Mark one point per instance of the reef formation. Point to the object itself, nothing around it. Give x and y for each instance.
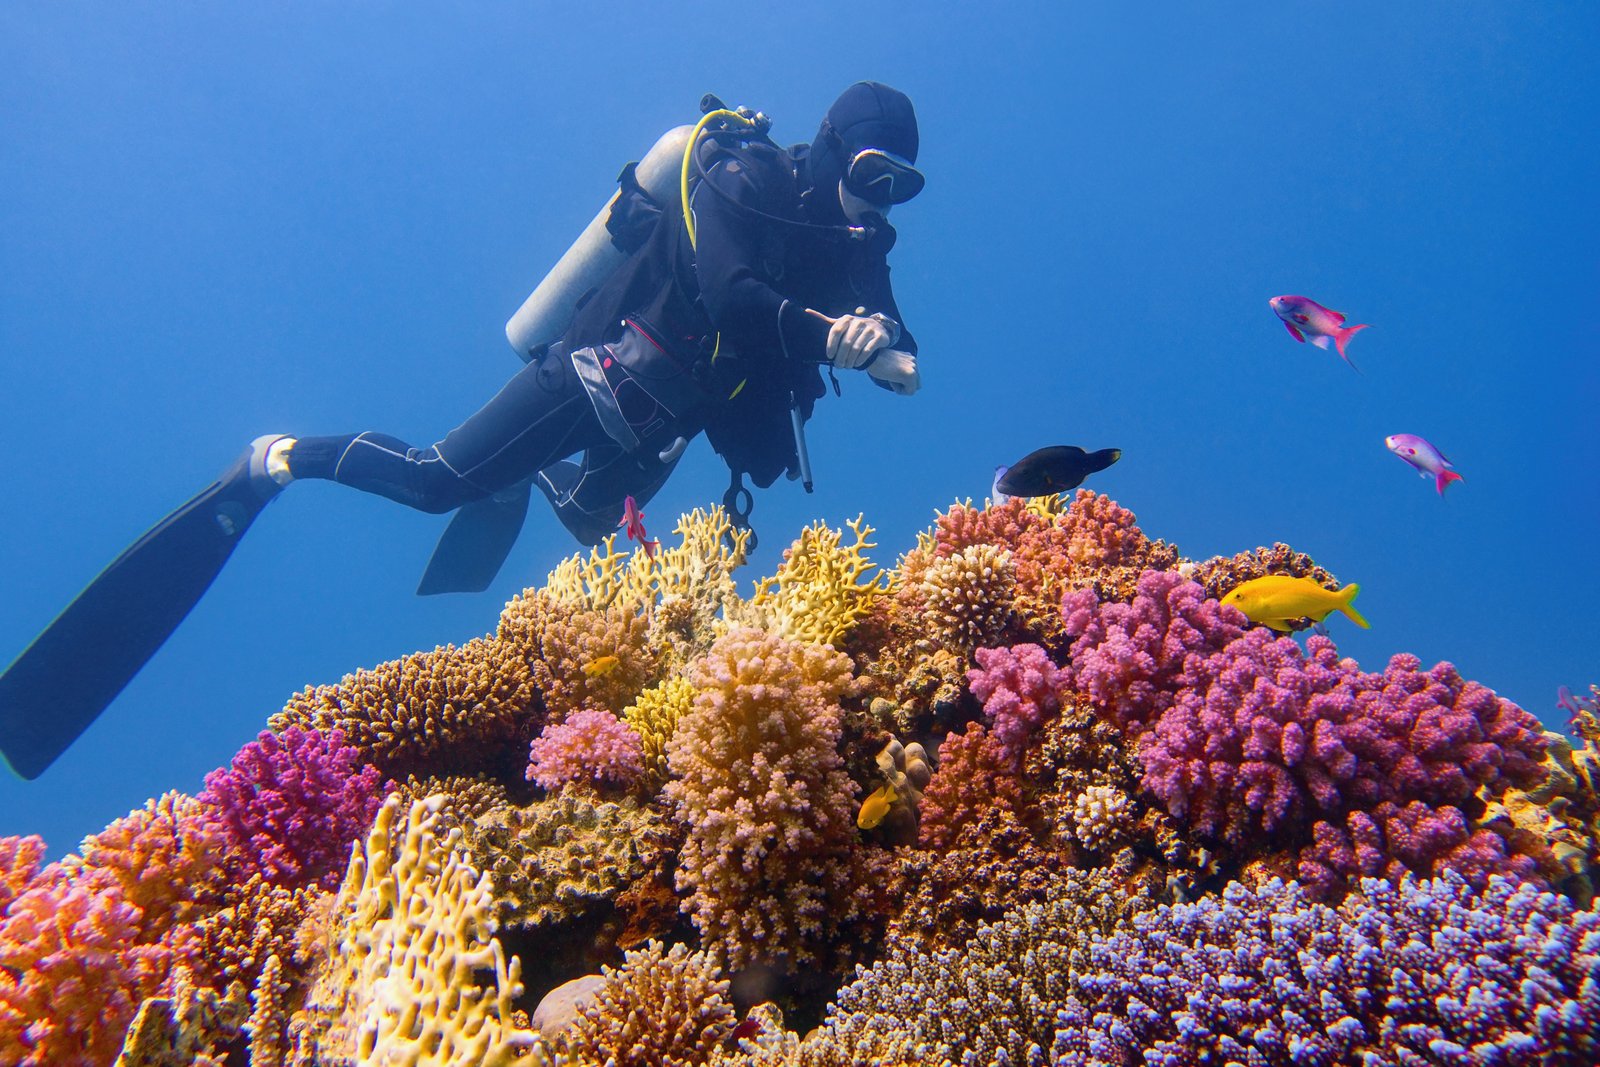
(1032, 795)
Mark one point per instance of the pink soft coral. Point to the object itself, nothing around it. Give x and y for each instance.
(590, 746)
(292, 803)
(1020, 687)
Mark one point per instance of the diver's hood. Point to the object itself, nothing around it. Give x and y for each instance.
(866, 115)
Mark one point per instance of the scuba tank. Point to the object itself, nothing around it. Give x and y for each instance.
(594, 256)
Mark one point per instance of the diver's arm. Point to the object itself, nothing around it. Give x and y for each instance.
(756, 319)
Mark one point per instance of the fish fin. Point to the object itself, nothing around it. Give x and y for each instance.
(1346, 595)
(1445, 478)
(1342, 336)
(1298, 336)
(1321, 341)
(1280, 625)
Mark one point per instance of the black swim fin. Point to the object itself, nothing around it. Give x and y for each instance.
(476, 543)
(74, 669)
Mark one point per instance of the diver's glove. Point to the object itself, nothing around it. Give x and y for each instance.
(854, 339)
(896, 369)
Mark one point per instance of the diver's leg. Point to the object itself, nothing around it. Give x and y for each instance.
(541, 415)
(588, 496)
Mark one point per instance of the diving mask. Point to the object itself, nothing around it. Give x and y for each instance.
(881, 177)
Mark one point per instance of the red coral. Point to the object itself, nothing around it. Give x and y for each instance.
(974, 775)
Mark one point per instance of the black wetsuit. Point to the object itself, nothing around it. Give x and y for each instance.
(750, 280)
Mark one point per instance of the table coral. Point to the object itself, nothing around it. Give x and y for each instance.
(449, 710)
(592, 747)
(292, 805)
(1421, 973)
(759, 787)
(412, 927)
(661, 1008)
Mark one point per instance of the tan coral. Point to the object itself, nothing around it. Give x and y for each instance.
(968, 597)
(257, 921)
(269, 1018)
(190, 1026)
(1219, 574)
(412, 926)
(457, 709)
(661, 1008)
(580, 657)
(1555, 823)
(822, 588)
(1101, 816)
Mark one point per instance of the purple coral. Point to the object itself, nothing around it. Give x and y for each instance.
(590, 746)
(292, 803)
(1019, 687)
(1419, 973)
(1129, 658)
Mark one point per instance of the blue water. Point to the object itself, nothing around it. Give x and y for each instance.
(220, 222)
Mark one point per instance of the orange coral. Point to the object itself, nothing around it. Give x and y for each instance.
(760, 788)
(973, 776)
(560, 640)
(19, 862)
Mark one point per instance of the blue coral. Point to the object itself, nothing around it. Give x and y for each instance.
(1420, 973)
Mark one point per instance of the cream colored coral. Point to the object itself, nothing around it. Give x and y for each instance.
(822, 588)
(1100, 815)
(697, 568)
(412, 925)
(968, 596)
(655, 714)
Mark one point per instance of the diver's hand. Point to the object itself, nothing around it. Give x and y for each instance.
(852, 339)
(897, 370)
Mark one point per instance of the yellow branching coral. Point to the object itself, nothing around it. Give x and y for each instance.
(659, 1009)
(269, 1018)
(412, 925)
(821, 589)
(697, 568)
(655, 714)
(579, 657)
(760, 788)
(968, 597)
(455, 707)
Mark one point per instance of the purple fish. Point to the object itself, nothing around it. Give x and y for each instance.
(1308, 320)
(1423, 456)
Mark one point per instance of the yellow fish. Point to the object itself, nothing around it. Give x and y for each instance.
(602, 666)
(876, 806)
(1277, 598)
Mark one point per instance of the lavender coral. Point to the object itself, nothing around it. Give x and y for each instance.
(293, 804)
(592, 746)
(1420, 973)
(760, 788)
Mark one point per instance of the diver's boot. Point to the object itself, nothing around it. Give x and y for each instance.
(263, 467)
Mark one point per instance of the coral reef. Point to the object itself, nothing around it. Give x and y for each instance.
(293, 804)
(728, 806)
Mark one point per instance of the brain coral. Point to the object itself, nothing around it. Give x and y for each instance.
(759, 787)
(1420, 973)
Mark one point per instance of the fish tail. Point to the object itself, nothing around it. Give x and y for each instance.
(1342, 335)
(1346, 595)
(1445, 478)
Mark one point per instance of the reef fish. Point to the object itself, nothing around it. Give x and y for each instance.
(1308, 320)
(601, 667)
(1428, 460)
(1054, 469)
(876, 806)
(633, 525)
(1278, 598)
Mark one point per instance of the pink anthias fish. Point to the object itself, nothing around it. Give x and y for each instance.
(1423, 456)
(1308, 320)
(633, 524)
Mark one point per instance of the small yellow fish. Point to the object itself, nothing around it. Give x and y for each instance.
(1278, 598)
(602, 666)
(876, 806)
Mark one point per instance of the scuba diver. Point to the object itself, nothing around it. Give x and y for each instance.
(709, 295)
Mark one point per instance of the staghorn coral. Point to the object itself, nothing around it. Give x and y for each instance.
(654, 715)
(759, 786)
(822, 588)
(991, 1001)
(580, 658)
(661, 1008)
(1020, 687)
(452, 709)
(269, 1017)
(412, 925)
(292, 805)
(591, 747)
(1420, 973)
